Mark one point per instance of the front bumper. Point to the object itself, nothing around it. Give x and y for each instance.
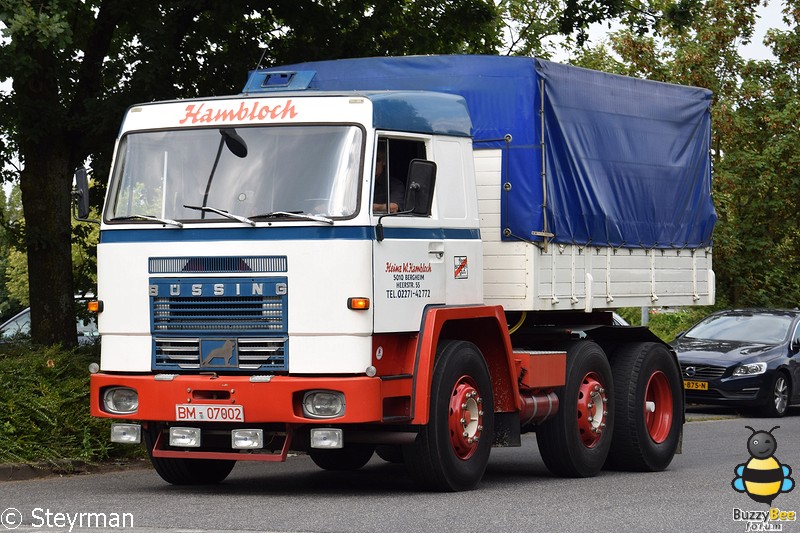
(274, 399)
(743, 392)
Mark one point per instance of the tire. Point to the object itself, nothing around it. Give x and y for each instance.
(186, 471)
(450, 453)
(576, 441)
(391, 453)
(778, 402)
(351, 457)
(649, 402)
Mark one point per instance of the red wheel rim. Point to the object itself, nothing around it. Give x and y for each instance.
(592, 409)
(658, 407)
(465, 417)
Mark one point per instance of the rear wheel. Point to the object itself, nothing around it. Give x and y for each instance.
(351, 457)
(778, 401)
(450, 453)
(649, 400)
(186, 471)
(575, 442)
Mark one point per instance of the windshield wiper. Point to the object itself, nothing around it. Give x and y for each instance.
(168, 221)
(294, 214)
(221, 212)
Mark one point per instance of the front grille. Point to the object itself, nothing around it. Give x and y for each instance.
(215, 324)
(264, 313)
(258, 353)
(251, 354)
(183, 352)
(702, 372)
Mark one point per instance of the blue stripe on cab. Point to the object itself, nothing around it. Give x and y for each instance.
(307, 233)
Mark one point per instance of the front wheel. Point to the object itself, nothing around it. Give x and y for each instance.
(575, 442)
(351, 457)
(778, 401)
(450, 453)
(186, 471)
(649, 400)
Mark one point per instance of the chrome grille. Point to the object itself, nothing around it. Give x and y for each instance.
(256, 353)
(252, 353)
(702, 372)
(182, 352)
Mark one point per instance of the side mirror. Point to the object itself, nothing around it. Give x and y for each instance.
(80, 195)
(419, 187)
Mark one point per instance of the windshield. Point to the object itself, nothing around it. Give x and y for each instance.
(247, 171)
(762, 329)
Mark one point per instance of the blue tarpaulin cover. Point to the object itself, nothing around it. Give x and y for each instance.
(627, 161)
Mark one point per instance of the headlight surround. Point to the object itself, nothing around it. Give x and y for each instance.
(121, 400)
(750, 369)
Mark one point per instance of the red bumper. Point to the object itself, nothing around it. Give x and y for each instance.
(278, 400)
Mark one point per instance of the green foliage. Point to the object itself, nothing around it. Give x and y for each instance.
(666, 323)
(45, 416)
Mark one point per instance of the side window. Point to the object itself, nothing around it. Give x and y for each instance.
(391, 171)
(796, 337)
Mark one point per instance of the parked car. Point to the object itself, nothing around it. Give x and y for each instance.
(19, 327)
(746, 358)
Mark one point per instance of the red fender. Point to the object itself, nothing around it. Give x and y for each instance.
(484, 326)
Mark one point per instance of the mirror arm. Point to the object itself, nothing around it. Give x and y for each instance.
(379, 227)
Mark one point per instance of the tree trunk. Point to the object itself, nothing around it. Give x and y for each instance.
(45, 186)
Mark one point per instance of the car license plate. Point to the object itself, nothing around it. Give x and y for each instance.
(209, 413)
(695, 385)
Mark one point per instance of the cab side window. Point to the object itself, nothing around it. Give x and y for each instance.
(391, 172)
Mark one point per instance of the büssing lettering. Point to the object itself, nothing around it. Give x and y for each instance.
(217, 289)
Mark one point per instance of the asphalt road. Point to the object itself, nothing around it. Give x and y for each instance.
(517, 494)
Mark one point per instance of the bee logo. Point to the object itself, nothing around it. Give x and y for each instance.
(762, 477)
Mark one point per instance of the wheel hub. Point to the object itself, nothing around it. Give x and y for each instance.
(658, 407)
(781, 395)
(465, 417)
(592, 409)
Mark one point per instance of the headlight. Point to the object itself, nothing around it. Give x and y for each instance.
(750, 369)
(323, 404)
(121, 400)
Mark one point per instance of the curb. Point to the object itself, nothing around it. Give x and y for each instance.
(23, 472)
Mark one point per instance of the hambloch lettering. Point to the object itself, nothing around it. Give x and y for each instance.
(45, 518)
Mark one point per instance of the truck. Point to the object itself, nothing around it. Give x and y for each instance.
(417, 257)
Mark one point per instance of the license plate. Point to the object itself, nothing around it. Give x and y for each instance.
(695, 385)
(209, 413)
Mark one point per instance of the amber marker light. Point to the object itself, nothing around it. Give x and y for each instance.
(94, 306)
(358, 304)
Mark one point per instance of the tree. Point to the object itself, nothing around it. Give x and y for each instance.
(76, 65)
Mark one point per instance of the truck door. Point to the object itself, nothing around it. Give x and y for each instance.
(409, 261)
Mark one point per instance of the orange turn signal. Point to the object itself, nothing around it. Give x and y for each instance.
(94, 306)
(358, 304)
